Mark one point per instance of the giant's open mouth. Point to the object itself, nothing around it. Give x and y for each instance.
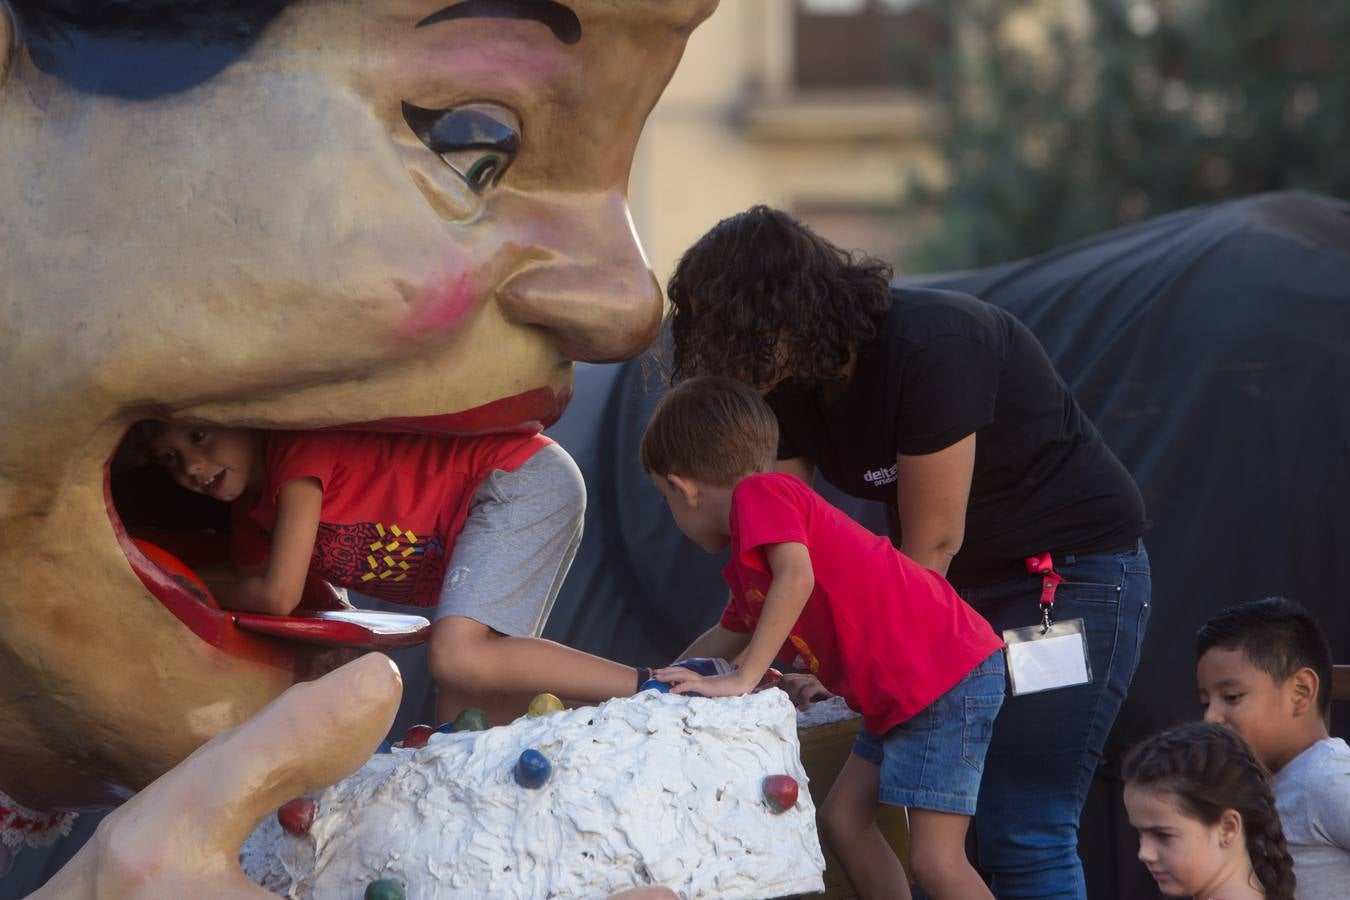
(169, 535)
(166, 533)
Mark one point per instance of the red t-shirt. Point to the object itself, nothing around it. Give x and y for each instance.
(392, 504)
(879, 630)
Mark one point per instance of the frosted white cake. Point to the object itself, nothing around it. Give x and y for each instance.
(654, 789)
(825, 712)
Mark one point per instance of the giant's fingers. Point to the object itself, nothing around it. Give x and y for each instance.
(311, 736)
(181, 835)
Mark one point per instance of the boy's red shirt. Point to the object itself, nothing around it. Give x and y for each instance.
(879, 630)
(393, 504)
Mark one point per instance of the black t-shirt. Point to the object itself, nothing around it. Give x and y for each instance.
(945, 365)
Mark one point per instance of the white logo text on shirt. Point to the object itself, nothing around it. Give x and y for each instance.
(878, 477)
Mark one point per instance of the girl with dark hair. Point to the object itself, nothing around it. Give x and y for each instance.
(947, 410)
(1206, 819)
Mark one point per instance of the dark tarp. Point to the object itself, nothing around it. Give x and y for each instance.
(1211, 348)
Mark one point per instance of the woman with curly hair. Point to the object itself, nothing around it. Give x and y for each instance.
(1206, 818)
(947, 410)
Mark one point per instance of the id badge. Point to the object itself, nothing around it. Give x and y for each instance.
(1041, 660)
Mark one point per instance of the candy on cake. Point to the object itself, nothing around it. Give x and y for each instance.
(688, 793)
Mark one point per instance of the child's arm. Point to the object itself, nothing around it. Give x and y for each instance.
(278, 589)
(793, 581)
(468, 656)
(717, 642)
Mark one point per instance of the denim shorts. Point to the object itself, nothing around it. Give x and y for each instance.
(934, 760)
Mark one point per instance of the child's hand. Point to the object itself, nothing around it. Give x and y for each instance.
(685, 681)
(802, 690)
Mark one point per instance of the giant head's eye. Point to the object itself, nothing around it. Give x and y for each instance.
(478, 141)
(480, 169)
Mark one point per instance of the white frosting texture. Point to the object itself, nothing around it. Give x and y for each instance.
(825, 712)
(654, 789)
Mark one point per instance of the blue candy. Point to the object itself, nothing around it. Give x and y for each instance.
(385, 747)
(532, 769)
(652, 684)
(447, 728)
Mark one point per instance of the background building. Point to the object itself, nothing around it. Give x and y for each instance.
(952, 134)
(822, 107)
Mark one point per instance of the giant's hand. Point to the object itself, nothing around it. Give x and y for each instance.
(180, 836)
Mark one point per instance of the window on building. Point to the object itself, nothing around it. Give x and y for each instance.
(868, 43)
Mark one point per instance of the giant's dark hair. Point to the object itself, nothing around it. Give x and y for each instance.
(761, 297)
(1278, 636)
(1210, 769)
(205, 20)
(140, 49)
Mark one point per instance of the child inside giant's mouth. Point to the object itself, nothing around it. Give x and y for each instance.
(170, 536)
(174, 539)
(477, 529)
(152, 508)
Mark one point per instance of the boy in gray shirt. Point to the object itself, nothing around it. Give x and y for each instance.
(1312, 796)
(1264, 670)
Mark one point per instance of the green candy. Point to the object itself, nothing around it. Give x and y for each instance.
(471, 720)
(385, 889)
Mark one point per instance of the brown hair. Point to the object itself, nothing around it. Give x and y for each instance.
(134, 450)
(711, 428)
(1211, 769)
(761, 297)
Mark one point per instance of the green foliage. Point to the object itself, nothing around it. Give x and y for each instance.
(1154, 106)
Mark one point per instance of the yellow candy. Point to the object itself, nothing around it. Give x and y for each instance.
(543, 704)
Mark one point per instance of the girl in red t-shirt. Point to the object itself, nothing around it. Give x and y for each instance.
(414, 519)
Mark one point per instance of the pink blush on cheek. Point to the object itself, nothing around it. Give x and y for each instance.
(484, 67)
(439, 307)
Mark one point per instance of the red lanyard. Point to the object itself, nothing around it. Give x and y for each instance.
(1044, 566)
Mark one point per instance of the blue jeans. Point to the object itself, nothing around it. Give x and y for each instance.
(1046, 746)
(934, 759)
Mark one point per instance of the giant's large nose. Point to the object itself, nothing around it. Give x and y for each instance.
(587, 279)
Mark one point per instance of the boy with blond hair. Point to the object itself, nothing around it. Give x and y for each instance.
(889, 636)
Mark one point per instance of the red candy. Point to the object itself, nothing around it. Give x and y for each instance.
(297, 815)
(417, 736)
(780, 792)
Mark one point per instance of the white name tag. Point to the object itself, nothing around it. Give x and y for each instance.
(1045, 661)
